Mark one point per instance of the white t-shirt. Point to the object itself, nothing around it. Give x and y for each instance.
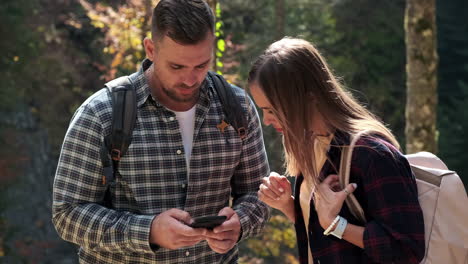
(187, 124)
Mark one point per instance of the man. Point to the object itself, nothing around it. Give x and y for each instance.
(181, 163)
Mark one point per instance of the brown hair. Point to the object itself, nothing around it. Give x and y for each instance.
(184, 21)
(296, 81)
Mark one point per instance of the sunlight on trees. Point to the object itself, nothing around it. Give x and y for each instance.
(124, 29)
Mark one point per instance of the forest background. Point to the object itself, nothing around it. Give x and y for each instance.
(55, 53)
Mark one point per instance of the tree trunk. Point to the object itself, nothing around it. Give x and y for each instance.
(148, 5)
(279, 22)
(212, 4)
(421, 70)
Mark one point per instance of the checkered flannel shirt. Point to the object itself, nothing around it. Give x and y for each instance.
(152, 178)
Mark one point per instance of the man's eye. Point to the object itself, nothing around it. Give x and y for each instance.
(176, 67)
(201, 66)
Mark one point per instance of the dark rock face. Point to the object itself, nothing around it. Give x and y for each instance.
(26, 176)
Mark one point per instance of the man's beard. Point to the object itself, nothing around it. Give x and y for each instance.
(174, 96)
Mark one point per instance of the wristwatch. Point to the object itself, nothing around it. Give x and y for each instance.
(340, 228)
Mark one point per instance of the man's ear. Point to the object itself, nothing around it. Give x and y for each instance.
(150, 48)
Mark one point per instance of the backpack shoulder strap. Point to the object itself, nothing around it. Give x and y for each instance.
(232, 107)
(124, 108)
(345, 166)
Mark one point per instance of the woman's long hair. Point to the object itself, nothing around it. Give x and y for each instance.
(297, 81)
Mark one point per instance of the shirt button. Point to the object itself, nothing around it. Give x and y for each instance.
(183, 185)
(171, 118)
(179, 151)
(187, 253)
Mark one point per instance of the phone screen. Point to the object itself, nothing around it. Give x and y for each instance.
(208, 221)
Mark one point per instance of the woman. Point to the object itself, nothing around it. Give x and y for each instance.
(300, 97)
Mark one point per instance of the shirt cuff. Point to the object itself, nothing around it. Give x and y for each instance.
(244, 221)
(139, 233)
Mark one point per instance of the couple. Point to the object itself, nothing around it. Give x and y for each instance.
(181, 165)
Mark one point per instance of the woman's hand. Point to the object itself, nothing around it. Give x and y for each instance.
(276, 192)
(328, 199)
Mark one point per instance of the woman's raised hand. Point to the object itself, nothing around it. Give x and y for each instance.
(275, 191)
(328, 199)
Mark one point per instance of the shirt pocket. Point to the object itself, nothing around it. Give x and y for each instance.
(231, 150)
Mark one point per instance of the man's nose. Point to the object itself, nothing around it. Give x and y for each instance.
(190, 79)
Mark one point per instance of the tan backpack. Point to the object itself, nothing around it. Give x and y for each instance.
(443, 200)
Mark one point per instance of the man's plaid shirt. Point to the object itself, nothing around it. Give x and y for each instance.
(153, 178)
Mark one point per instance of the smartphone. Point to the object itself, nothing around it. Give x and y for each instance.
(209, 222)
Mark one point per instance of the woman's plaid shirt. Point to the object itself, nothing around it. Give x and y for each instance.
(153, 178)
(387, 192)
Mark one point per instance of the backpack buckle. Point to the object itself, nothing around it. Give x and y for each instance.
(242, 132)
(115, 154)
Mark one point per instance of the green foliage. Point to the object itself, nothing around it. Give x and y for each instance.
(452, 26)
(277, 243)
(372, 43)
(453, 143)
(220, 43)
(125, 26)
(280, 233)
(248, 30)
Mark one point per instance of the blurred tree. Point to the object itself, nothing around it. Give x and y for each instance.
(214, 5)
(279, 18)
(421, 70)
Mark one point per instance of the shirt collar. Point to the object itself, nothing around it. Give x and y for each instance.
(143, 91)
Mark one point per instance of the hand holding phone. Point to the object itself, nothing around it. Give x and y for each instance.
(209, 222)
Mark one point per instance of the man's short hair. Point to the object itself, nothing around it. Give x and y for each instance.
(184, 21)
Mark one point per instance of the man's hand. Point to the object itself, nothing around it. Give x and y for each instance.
(170, 230)
(224, 237)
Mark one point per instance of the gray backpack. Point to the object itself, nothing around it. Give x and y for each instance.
(443, 200)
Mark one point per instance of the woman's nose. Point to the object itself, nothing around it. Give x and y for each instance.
(266, 120)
